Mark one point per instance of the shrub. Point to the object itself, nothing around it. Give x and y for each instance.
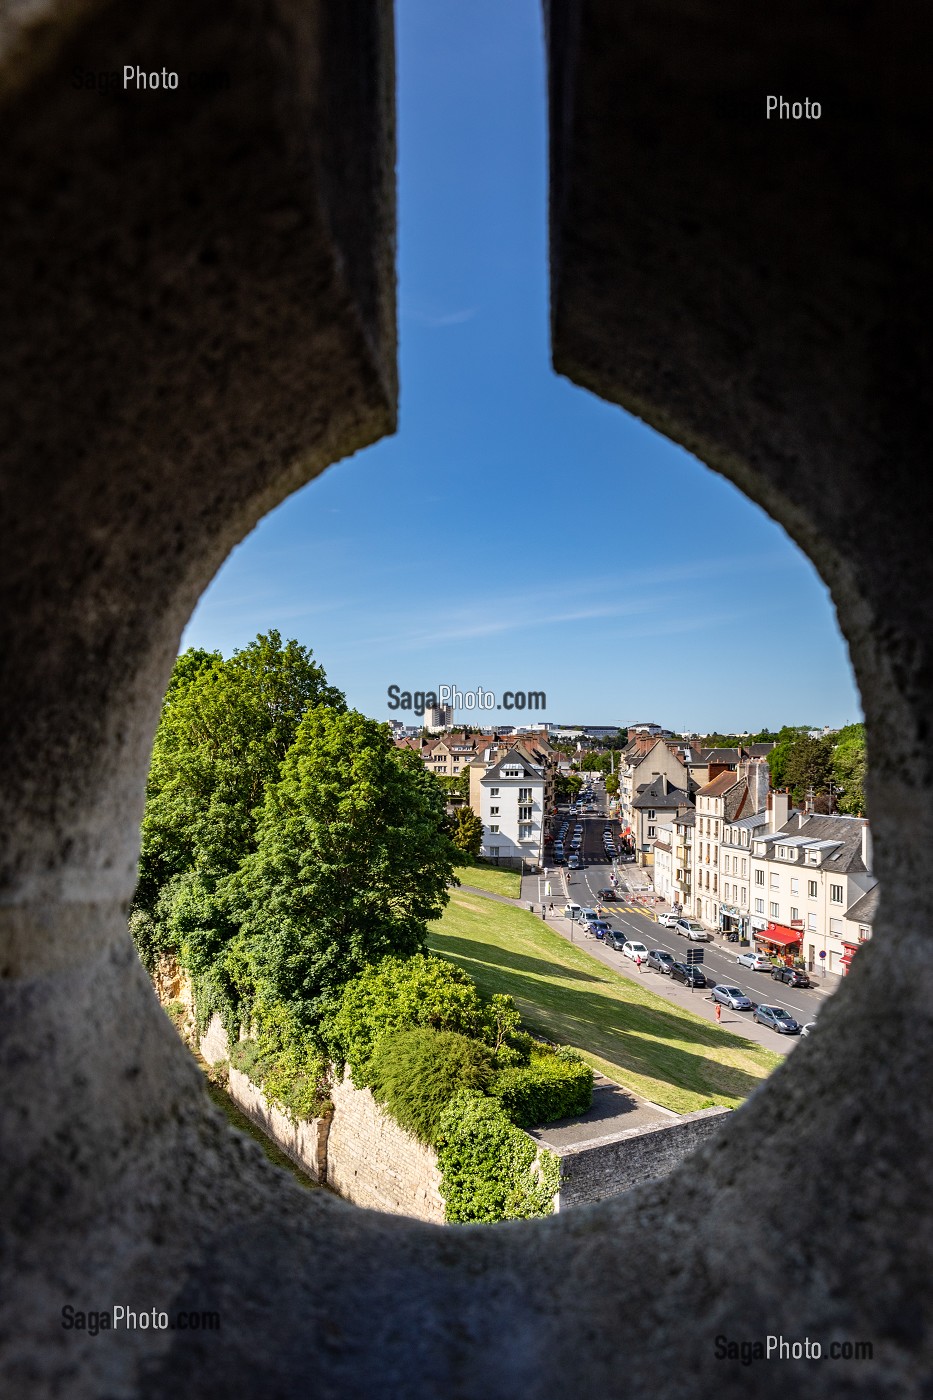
(552, 1086)
(490, 1170)
(285, 1064)
(399, 994)
(415, 1073)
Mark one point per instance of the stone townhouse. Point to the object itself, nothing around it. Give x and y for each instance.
(512, 793)
(639, 766)
(810, 885)
(728, 797)
(663, 859)
(681, 893)
(658, 801)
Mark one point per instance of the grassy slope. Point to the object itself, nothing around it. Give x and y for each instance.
(635, 1037)
(488, 877)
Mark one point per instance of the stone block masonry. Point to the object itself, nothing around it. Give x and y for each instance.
(603, 1167)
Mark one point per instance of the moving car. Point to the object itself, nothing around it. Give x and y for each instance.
(756, 961)
(574, 863)
(778, 1019)
(667, 919)
(635, 950)
(607, 895)
(688, 974)
(733, 997)
(689, 928)
(793, 976)
(660, 961)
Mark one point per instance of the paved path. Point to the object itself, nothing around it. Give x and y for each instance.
(614, 1110)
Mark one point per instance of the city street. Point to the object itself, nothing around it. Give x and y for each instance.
(637, 922)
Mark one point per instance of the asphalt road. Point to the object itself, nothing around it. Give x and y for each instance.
(719, 957)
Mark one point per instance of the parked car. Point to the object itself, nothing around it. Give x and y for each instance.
(572, 911)
(615, 939)
(733, 997)
(809, 1028)
(635, 950)
(793, 976)
(689, 928)
(756, 961)
(589, 916)
(667, 919)
(600, 928)
(778, 1019)
(607, 895)
(660, 961)
(688, 974)
(558, 858)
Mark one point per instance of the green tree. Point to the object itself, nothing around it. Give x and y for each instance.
(849, 768)
(808, 765)
(612, 784)
(226, 726)
(352, 861)
(778, 757)
(416, 1073)
(567, 785)
(467, 831)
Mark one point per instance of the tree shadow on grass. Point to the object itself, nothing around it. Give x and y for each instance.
(660, 1044)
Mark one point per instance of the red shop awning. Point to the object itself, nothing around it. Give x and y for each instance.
(779, 934)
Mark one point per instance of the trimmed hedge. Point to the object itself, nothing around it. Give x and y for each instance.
(550, 1087)
(416, 1073)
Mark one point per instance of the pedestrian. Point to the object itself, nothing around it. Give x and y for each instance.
(550, 907)
(718, 1013)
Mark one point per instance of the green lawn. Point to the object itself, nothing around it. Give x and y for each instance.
(666, 1054)
(491, 878)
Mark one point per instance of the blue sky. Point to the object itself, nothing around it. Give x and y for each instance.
(497, 541)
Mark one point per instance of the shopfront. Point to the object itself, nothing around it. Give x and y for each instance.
(781, 940)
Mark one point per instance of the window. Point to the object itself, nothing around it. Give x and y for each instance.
(494, 811)
(652, 830)
(725, 865)
(759, 877)
(782, 852)
(493, 792)
(745, 838)
(525, 832)
(813, 857)
(494, 828)
(811, 889)
(775, 910)
(744, 893)
(811, 921)
(835, 894)
(524, 814)
(835, 926)
(714, 884)
(524, 794)
(794, 914)
(775, 880)
(795, 886)
(743, 868)
(651, 814)
(759, 906)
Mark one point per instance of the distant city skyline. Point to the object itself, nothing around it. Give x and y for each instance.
(517, 533)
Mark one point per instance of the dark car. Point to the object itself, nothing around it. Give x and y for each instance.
(688, 974)
(615, 939)
(606, 894)
(793, 976)
(660, 961)
(778, 1019)
(600, 929)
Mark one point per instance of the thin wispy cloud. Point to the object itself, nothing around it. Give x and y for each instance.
(435, 321)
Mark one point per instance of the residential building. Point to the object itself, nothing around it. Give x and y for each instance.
(735, 851)
(681, 895)
(511, 792)
(657, 802)
(811, 889)
(722, 801)
(638, 767)
(437, 717)
(664, 843)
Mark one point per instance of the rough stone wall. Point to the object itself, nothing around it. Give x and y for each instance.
(598, 1170)
(373, 1162)
(214, 1044)
(305, 1142)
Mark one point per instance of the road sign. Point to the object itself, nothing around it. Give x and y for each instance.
(694, 955)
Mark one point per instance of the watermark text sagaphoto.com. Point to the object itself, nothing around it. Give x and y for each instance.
(791, 1349)
(443, 696)
(120, 1318)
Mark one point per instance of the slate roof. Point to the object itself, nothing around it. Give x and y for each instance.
(661, 795)
(839, 837)
(863, 910)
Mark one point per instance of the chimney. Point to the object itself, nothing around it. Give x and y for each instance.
(866, 844)
(778, 810)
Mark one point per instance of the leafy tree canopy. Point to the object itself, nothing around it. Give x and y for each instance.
(467, 831)
(849, 767)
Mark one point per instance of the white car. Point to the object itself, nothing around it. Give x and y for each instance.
(572, 911)
(667, 919)
(635, 951)
(756, 961)
(589, 916)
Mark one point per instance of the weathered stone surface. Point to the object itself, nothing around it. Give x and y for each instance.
(197, 300)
